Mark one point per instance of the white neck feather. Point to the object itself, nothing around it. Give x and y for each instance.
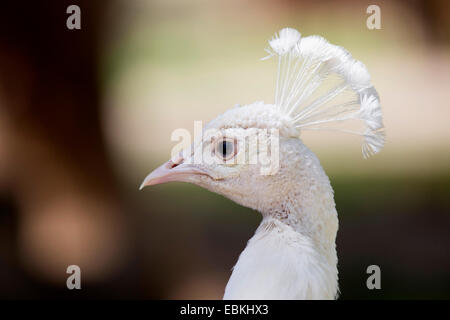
(292, 254)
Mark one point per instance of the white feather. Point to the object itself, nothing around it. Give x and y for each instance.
(319, 83)
(285, 41)
(281, 263)
(293, 252)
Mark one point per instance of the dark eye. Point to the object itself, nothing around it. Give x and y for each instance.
(225, 149)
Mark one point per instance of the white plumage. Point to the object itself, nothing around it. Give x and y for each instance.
(319, 87)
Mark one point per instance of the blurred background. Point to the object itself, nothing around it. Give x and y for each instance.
(86, 114)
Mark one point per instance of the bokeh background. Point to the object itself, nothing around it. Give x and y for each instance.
(86, 114)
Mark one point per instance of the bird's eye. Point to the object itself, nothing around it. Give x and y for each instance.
(225, 149)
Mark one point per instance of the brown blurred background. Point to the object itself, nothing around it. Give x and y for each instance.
(86, 114)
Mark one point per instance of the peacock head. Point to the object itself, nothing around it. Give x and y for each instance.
(253, 154)
(241, 154)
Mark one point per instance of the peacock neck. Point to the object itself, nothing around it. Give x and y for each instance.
(293, 252)
(281, 262)
(307, 205)
(315, 219)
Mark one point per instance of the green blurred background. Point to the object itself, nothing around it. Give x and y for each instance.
(86, 114)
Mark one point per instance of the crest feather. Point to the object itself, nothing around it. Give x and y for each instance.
(319, 83)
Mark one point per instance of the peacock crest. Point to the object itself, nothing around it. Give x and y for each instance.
(319, 86)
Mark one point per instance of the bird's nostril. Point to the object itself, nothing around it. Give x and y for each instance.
(175, 164)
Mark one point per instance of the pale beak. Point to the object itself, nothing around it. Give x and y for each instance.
(171, 171)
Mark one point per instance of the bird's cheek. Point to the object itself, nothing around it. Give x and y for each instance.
(222, 172)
